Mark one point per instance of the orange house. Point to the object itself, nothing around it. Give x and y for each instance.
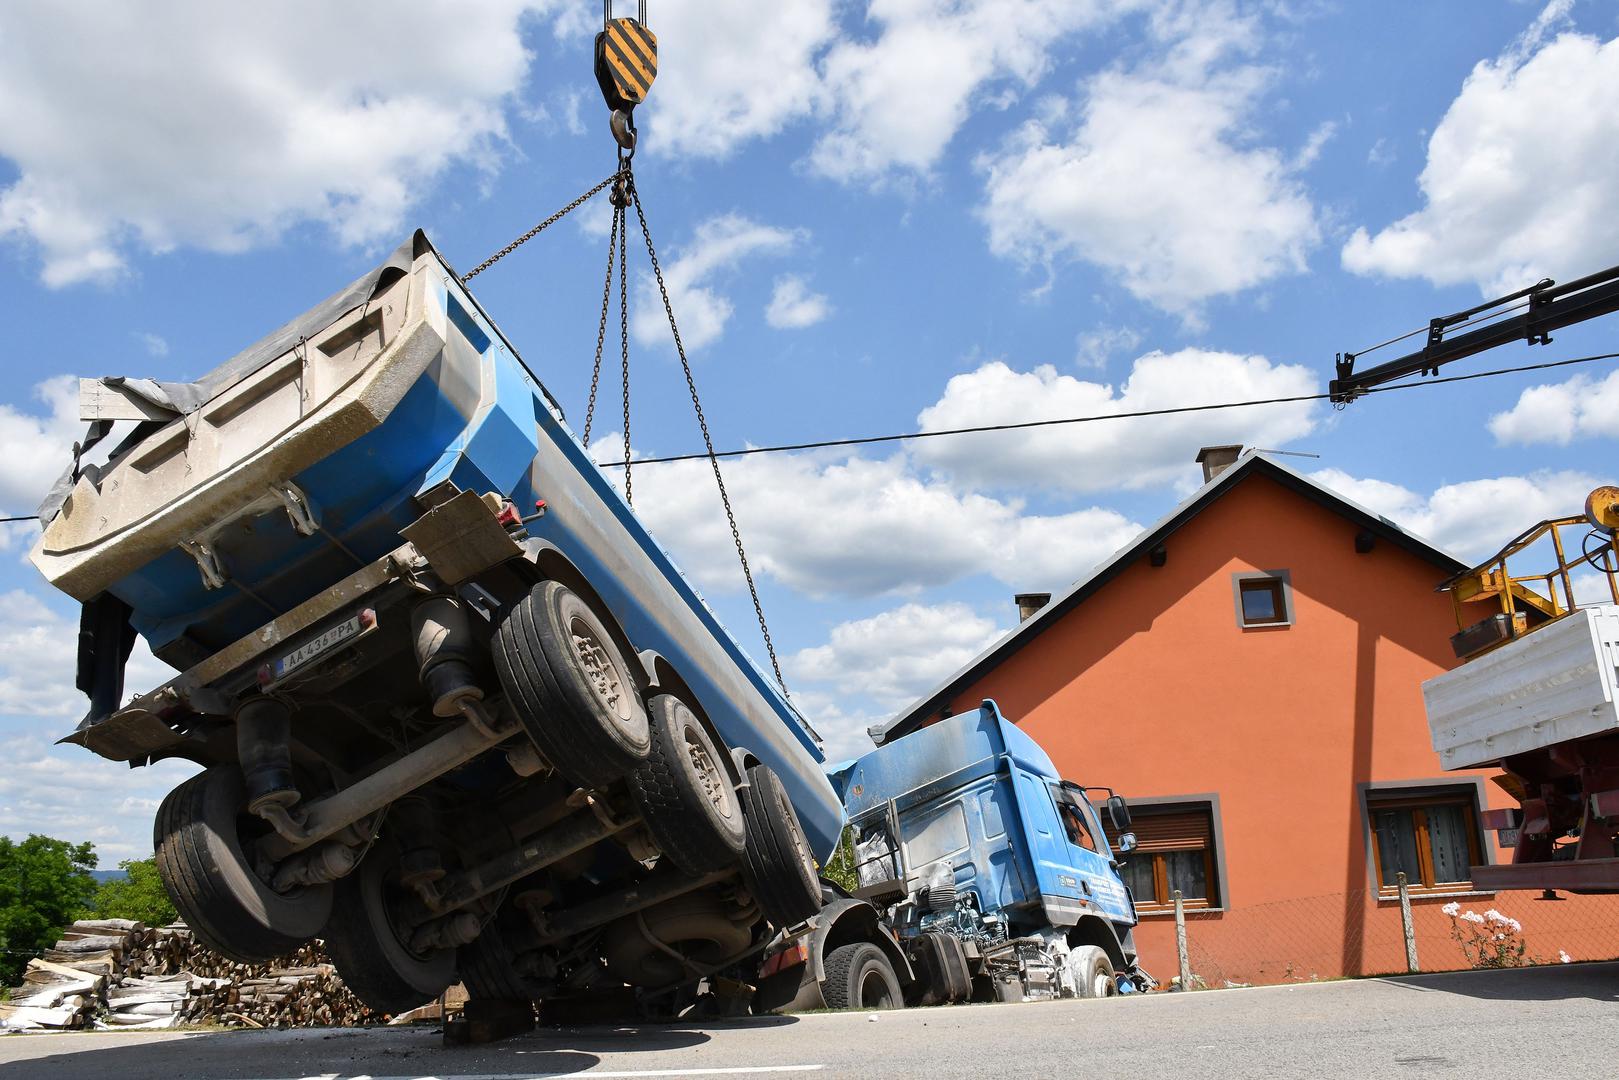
(1248, 674)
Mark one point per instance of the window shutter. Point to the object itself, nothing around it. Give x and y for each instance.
(1181, 829)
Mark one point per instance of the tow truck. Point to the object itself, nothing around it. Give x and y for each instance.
(1537, 692)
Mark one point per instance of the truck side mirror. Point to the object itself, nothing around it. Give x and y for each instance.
(1119, 811)
(1126, 843)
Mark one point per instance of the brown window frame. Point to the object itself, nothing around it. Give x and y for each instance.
(1278, 594)
(1418, 804)
(1161, 901)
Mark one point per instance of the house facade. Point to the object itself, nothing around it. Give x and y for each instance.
(1248, 674)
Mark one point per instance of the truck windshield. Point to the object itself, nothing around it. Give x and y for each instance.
(1073, 820)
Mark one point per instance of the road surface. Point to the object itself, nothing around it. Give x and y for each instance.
(1551, 1021)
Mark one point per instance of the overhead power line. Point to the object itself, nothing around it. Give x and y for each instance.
(1023, 425)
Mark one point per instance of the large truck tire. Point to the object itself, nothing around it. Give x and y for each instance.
(571, 687)
(1092, 971)
(370, 944)
(198, 838)
(685, 794)
(487, 970)
(859, 976)
(776, 862)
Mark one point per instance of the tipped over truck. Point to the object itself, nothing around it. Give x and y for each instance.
(456, 711)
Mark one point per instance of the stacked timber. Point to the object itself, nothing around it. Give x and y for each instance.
(53, 995)
(113, 973)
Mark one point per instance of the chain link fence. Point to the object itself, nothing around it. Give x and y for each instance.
(1362, 933)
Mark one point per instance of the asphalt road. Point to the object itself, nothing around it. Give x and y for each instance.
(1557, 1022)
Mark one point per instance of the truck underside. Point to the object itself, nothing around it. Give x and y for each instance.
(453, 738)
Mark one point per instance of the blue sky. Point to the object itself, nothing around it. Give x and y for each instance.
(876, 216)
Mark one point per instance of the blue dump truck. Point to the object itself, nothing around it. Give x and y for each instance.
(456, 711)
(983, 875)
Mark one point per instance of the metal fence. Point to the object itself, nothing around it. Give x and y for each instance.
(1359, 933)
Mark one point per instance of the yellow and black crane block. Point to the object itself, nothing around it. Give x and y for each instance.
(626, 63)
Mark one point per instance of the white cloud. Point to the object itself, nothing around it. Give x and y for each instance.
(732, 70)
(1558, 412)
(897, 99)
(793, 306)
(1160, 181)
(887, 661)
(37, 673)
(69, 793)
(221, 126)
(859, 527)
(66, 791)
(717, 246)
(153, 344)
(1111, 454)
(35, 448)
(896, 655)
(1467, 518)
(1094, 348)
(1510, 196)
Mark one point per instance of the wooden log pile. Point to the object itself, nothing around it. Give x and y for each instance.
(113, 973)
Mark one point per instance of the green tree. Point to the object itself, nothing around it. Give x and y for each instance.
(139, 896)
(840, 868)
(44, 883)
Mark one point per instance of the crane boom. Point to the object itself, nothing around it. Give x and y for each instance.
(1548, 307)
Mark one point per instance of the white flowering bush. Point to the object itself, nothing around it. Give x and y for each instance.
(1490, 940)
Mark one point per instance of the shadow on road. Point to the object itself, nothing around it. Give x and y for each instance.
(337, 1053)
(1550, 982)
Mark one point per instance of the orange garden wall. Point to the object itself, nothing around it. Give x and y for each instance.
(1150, 686)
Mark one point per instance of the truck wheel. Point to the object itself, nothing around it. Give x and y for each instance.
(369, 938)
(486, 969)
(199, 837)
(859, 976)
(776, 862)
(571, 686)
(685, 794)
(1092, 971)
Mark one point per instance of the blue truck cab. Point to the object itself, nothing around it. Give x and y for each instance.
(982, 875)
(966, 835)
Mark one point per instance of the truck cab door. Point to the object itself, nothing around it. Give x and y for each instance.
(1085, 851)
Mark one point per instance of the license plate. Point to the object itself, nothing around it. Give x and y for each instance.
(328, 639)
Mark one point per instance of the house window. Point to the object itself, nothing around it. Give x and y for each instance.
(1263, 599)
(1174, 850)
(1433, 837)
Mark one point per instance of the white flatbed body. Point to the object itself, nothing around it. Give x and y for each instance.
(1554, 685)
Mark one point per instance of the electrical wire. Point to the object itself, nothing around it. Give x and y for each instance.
(1022, 425)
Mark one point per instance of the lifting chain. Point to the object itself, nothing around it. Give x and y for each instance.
(538, 229)
(601, 327)
(708, 442)
(621, 194)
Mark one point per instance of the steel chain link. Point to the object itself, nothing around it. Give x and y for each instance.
(601, 327)
(624, 341)
(708, 442)
(536, 230)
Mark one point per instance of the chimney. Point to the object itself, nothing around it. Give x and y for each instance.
(1030, 602)
(1217, 459)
